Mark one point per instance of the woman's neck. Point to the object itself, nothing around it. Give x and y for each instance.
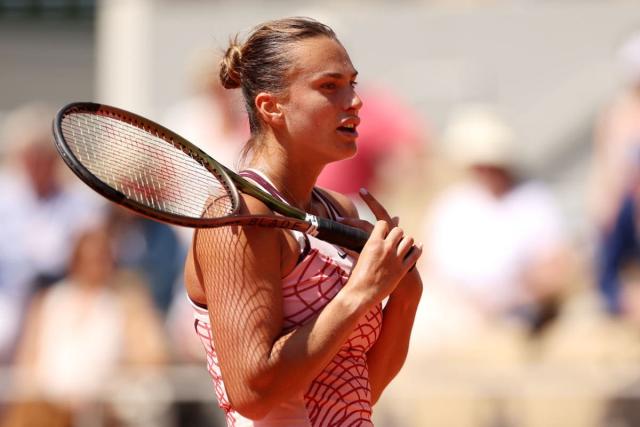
(294, 176)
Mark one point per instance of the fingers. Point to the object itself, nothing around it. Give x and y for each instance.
(412, 256)
(380, 230)
(364, 224)
(404, 246)
(378, 210)
(392, 235)
(395, 237)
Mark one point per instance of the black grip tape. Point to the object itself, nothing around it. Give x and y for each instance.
(341, 235)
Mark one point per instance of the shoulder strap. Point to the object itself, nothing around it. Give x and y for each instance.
(262, 182)
(328, 204)
(267, 186)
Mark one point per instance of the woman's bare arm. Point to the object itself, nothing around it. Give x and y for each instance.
(388, 354)
(240, 270)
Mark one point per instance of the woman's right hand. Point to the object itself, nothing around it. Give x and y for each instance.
(385, 259)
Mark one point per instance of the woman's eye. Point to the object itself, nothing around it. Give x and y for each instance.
(329, 86)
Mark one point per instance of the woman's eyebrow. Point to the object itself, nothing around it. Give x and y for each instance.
(336, 75)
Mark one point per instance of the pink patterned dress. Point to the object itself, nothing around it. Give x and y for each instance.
(340, 395)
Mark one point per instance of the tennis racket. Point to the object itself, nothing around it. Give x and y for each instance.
(151, 170)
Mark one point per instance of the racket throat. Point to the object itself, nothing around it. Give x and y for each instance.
(313, 224)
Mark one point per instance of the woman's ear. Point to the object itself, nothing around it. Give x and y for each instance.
(269, 109)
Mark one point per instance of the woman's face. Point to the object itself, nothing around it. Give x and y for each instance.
(321, 106)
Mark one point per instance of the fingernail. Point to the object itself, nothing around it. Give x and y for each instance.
(364, 191)
(339, 218)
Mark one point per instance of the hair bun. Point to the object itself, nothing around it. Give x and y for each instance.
(231, 66)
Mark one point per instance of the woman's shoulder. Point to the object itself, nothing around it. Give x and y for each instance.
(343, 203)
(249, 205)
(206, 238)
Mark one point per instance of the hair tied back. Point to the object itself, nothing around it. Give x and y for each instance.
(231, 66)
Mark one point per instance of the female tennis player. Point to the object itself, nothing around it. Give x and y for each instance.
(294, 327)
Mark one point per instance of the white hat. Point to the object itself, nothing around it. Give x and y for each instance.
(476, 134)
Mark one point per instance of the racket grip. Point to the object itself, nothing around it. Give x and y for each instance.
(341, 234)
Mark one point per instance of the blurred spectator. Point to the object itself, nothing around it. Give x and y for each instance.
(211, 117)
(616, 178)
(580, 349)
(623, 410)
(80, 333)
(630, 294)
(391, 142)
(619, 245)
(150, 248)
(495, 249)
(40, 214)
(487, 235)
(616, 158)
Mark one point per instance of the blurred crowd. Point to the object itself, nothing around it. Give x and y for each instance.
(521, 322)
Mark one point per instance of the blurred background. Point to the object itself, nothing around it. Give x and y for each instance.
(505, 134)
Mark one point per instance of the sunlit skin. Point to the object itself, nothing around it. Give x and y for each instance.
(237, 271)
(320, 100)
(304, 122)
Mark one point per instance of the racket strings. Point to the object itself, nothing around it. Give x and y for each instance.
(145, 167)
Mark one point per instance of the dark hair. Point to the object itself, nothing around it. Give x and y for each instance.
(261, 63)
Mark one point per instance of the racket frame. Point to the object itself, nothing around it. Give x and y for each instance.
(294, 219)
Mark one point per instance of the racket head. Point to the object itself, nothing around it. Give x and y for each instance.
(144, 166)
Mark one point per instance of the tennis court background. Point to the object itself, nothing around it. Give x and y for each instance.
(551, 65)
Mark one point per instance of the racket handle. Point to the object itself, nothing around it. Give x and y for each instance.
(341, 235)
